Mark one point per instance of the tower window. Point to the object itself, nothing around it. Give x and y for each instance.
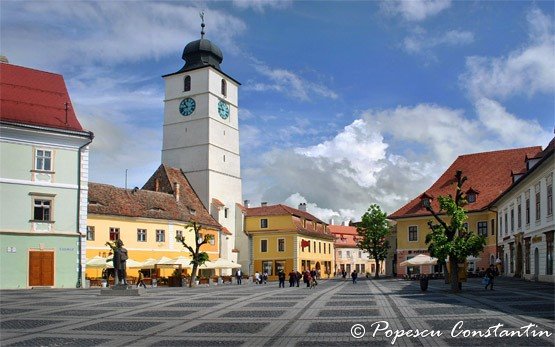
(187, 83)
(224, 87)
(224, 157)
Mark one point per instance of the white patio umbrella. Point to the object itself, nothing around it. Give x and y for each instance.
(184, 262)
(420, 259)
(208, 265)
(151, 262)
(98, 261)
(222, 263)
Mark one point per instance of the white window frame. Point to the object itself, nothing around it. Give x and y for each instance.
(141, 235)
(36, 161)
(90, 231)
(160, 235)
(278, 240)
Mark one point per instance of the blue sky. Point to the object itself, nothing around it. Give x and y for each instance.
(342, 104)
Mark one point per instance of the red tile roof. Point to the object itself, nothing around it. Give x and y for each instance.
(283, 210)
(35, 97)
(217, 203)
(151, 203)
(488, 173)
(345, 236)
(279, 210)
(226, 231)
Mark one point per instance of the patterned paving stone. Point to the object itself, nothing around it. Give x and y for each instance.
(79, 313)
(498, 341)
(26, 324)
(350, 303)
(446, 310)
(348, 313)
(60, 341)
(194, 304)
(165, 313)
(534, 307)
(119, 326)
(229, 328)
(352, 342)
(331, 327)
(6, 311)
(277, 303)
(200, 343)
(121, 304)
(253, 314)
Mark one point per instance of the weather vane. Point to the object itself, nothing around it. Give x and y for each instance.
(201, 14)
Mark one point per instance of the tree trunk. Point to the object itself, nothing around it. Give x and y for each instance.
(193, 275)
(377, 275)
(454, 274)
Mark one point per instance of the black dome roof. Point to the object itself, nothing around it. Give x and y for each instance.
(201, 53)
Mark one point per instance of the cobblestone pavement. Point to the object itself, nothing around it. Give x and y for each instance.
(266, 315)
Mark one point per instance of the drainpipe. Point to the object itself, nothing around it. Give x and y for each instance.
(79, 262)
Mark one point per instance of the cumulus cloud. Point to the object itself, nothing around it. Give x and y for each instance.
(370, 160)
(420, 42)
(415, 10)
(288, 83)
(261, 5)
(527, 70)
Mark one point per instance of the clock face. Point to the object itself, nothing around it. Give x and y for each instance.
(187, 106)
(223, 109)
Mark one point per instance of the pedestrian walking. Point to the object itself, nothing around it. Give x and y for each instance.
(298, 278)
(306, 278)
(490, 274)
(239, 276)
(265, 277)
(257, 278)
(141, 280)
(292, 278)
(314, 275)
(281, 278)
(354, 276)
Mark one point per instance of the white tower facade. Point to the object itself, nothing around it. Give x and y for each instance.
(201, 136)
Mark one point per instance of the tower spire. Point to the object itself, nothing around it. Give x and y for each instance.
(202, 25)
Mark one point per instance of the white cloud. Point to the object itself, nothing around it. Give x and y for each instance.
(415, 10)
(371, 161)
(260, 5)
(421, 42)
(288, 83)
(106, 32)
(526, 71)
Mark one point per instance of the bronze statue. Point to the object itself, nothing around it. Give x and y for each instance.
(119, 260)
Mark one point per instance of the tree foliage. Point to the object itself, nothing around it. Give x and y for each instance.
(373, 231)
(452, 240)
(198, 257)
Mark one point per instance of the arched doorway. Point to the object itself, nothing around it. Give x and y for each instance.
(317, 266)
(536, 263)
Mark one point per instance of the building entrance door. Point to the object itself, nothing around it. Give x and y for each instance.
(41, 268)
(519, 258)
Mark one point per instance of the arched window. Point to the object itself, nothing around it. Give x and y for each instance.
(187, 83)
(224, 87)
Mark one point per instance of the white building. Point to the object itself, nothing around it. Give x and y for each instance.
(201, 136)
(525, 217)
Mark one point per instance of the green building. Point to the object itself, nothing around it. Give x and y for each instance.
(43, 182)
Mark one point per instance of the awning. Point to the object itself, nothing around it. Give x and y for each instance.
(222, 263)
(420, 259)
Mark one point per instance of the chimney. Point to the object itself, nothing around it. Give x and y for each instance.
(264, 203)
(302, 206)
(157, 185)
(332, 222)
(176, 191)
(246, 203)
(346, 223)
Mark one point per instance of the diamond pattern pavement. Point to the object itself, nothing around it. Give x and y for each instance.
(265, 315)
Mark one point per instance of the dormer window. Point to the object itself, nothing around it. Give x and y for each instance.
(224, 87)
(192, 211)
(187, 83)
(425, 200)
(471, 195)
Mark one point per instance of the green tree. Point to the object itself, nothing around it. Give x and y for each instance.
(452, 240)
(198, 257)
(373, 231)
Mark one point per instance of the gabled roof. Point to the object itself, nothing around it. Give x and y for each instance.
(344, 235)
(284, 210)
(488, 173)
(35, 97)
(150, 202)
(279, 210)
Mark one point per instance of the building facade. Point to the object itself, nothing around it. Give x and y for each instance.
(201, 136)
(43, 182)
(348, 257)
(148, 220)
(487, 174)
(285, 238)
(525, 218)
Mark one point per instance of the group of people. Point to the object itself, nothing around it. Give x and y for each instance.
(354, 275)
(308, 277)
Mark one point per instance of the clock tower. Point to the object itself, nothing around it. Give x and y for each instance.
(201, 135)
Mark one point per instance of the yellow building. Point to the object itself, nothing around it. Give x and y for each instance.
(147, 220)
(285, 238)
(488, 174)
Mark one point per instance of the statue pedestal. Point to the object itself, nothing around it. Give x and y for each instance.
(122, 290)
